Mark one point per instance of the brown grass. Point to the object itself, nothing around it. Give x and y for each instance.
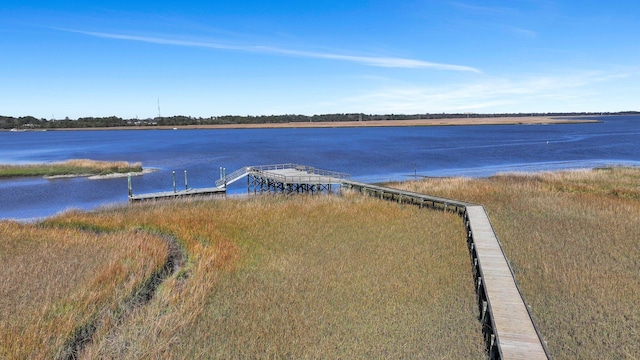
(572, 238)
(300, 277)
(58, 283)
(327, 277)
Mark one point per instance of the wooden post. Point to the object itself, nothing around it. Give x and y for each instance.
(186, 183)
(174, 181)
(129, 183)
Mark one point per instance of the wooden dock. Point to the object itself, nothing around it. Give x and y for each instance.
(507, 326)
(292, 178)
(283, 178)
(166, 195)
(511, 332)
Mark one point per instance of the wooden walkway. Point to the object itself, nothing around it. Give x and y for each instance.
(291, 178)
(177, 194)
(285, 178)
(508, 328)
(297, 176)
(502, 308)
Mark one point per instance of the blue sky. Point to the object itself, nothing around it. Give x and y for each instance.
(207, 58)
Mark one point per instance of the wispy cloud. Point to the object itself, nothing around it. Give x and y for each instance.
(485, 10)
(572, 92)
(496, 15)
(389, 62)
(522, 32)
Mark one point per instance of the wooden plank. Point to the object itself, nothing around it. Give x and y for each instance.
(296, 176)
(515, 332)
(178, 194)
(408, 194)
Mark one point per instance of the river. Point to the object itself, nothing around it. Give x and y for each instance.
(367, 154)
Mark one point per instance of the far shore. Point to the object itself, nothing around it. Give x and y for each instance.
(515, 120)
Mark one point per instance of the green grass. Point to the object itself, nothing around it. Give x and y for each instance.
(70, 167)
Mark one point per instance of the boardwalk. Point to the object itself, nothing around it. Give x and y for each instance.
(292, 178)
(299, 175)
(508, 328)
(177, 194)
(284, 178)
(503, 308)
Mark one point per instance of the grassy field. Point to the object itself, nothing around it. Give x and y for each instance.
(327, 277)
(70, 167)
(299, 277)
(58, 285)
(572, 238)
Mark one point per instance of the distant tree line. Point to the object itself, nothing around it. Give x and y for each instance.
(30, 122)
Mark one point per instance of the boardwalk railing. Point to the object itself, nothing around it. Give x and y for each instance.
(302, 174)
(402, 196)
(233, 177)
(508, 329)
(292, 178)
(301, 168)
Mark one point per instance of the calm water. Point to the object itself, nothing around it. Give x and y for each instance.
(368, 154)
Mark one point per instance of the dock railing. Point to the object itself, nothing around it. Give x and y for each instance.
(314, 175)
(304, 174)
(308, 169)
(228, 179)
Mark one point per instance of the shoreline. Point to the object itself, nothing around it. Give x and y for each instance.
(101, 177)
(507, 120)
(408, 178)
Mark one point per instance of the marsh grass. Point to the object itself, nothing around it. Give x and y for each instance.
(329, 277)
(572, 239)
(300, 277)
(70, 167)
(57, 284)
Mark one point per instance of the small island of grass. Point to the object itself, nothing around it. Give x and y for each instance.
(74, 167)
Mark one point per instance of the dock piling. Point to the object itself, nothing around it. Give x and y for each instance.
(223, 177)
(176, 194)
(174, 182)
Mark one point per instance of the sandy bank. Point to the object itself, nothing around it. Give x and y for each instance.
(101, 177)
